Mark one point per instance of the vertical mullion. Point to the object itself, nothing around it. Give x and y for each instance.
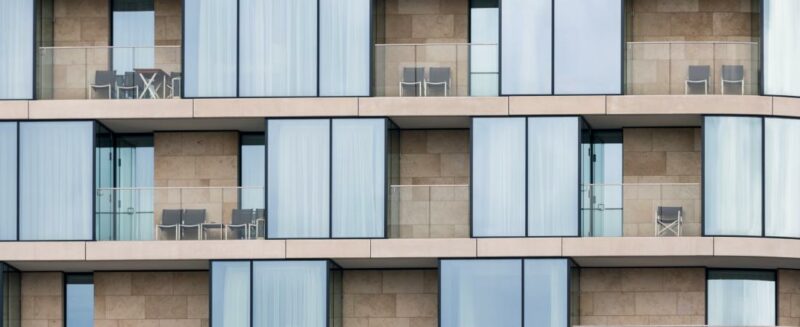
(330, 175)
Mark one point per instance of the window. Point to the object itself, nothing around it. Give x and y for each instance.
(16, 40)
(344, 43)
(10, 297)
(134, 212)
(8, 174)
(253, 168)
(230, 289)
(326, 178)
(587, 51)
(525, 175)
(782, 179)
(56, 180)
(553, 160)
(283, 293)
(79, 300)
(733, 175)
(504, 292)
(526, 47)
(484, 33)
(210, 48)
(601, 176)
(741, 298)
(781, 43)
(134, 34)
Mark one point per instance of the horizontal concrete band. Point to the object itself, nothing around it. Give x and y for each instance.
(377, 249)
(400, 106)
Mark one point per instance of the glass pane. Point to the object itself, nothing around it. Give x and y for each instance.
(135, 175)
(588, 47)
(344, 43)
(104, 183)
(526, 40)
(80, 301)
(134, 40)
(553, 163)
(253, 170)
(10, 297)
(733, 178)
(498, 172)
(290, 293)
(210, 48)
(781, 44)
(278, 48)
(359, 177)
(298, 178)
(546, 292)
(230, 293)
(56, 190)
(782, 178)
(741, 298)
(477, 293)
(8, 174)
(483, 55)
(16, 40)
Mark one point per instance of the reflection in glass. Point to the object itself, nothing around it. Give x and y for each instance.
(476, 293)
(16, 42)
(79, 300)
(526, 41)
(289, 293)
(741, 298)
(588, 47)
(56, 190)
(358, 177)
(210, 53)
(782, 178)
(498, 173)
(8, 174)
(230, 293)
(298, 178)
(553, 161)
(733, 176)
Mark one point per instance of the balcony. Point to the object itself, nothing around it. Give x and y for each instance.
(701, 67)
(435, 69)
(646, 209)
(429, 211)
(104, 72)
(179, 213)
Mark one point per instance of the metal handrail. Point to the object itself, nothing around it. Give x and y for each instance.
(642, 184)
(693, 42)
(426, 44)
(176, 188)
(110, 47)
(428, 185)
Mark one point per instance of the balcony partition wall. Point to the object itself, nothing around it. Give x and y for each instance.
(504, 292)
(526, 176)
(326, 178)
(17, 42)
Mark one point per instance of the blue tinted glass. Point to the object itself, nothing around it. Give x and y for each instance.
(290, 293)
(80, 305)
(741, 298)
(8, 174)
(478, 293)
(16, 40)
(546, 292)
(210, 51)
(230, 293)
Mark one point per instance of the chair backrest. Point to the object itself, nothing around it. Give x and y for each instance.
(171, 216)
(194, 216)
(699, 73)
(242, 216)
(260, 214)
(669, 214)
(176, 79)
(130, 79)
(733, 72)
(413, 74)
(105, 77)
(439, 74)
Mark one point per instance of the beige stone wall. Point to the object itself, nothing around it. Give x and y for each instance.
(178, 299)
(42, 299)
(789, 297)
(197, 159)
(662, 68)
(661, 155)
(435, 160)
(377, 298)
(168, 32)
(642, 296)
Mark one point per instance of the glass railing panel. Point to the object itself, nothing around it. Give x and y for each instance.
(429, 211)
(665, 209)
(103, 72)
(692, 68)
(435, 69)
(178, 213)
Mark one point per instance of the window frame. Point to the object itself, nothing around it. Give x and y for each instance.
(774, 279)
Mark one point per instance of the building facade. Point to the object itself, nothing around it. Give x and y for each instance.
(410, 163)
